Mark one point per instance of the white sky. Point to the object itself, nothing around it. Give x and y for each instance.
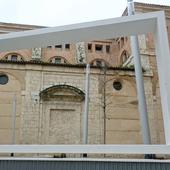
(62, 12)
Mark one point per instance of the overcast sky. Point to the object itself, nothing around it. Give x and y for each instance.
(62, 12)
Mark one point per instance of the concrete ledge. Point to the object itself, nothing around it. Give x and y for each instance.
(96, 149)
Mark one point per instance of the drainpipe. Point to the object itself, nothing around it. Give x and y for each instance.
(86, 108)
(13, 121)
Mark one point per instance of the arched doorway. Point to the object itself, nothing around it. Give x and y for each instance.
(61, 114)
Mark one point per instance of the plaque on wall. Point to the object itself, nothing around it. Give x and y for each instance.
(36, 53)
(81, 52)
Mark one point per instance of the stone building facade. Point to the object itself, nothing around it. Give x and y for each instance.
(49, 85)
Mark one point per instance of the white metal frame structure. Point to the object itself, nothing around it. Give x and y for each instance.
(105, 29)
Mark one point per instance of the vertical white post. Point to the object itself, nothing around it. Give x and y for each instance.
(13, 119)
(163, 65)
(86, 107)
(139, 82)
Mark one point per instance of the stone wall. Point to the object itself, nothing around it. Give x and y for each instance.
(8, 93)
(36, 118)
(33, 115)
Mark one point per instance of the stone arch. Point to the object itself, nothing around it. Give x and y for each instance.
(99, 62)
(16, 57)
(56, 91)
(61, 60)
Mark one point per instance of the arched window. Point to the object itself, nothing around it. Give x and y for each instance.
(99, 63)
(58, 60)
(13, 57)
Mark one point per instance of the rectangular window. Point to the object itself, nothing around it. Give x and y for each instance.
(99, 48)
(107, 48)
(89, 47)
(122, 41)
(49, 46)
(13, 57)
(58, 60)
(58, 46)
(67, 46)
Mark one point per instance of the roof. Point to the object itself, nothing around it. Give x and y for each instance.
(151, 5)
(15, 25)
(36, 62)
(148, 5)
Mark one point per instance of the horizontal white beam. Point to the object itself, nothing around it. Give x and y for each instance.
(93, 149)
(83, 159)
(103, 29)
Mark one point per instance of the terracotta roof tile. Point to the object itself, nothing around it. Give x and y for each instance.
(35, 62)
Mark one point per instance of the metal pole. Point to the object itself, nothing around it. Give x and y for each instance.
(139, 82)
(13, 122)
(104, 102)
(13, 119)
(86, 107)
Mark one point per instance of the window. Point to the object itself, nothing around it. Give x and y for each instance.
(67, 46)
(89, 47)
(3, 79)
(49, 46)
(98, 48)
(98, 63)
(119, 44)
(124, 57)
(107, 48)
(117, 85)
(58, 60)
(14, 57)
(122, 41)
(58, 46)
